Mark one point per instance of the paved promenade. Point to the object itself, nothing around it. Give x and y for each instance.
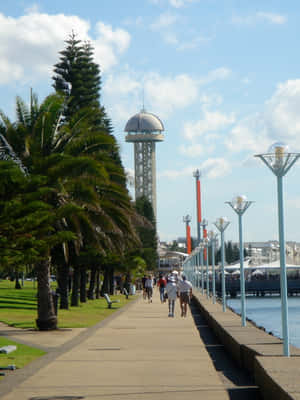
(137, 353)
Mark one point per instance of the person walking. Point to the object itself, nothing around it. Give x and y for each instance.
(149, 288)
(171, 290)
(144, 278)
(185, 293)
(161, 283)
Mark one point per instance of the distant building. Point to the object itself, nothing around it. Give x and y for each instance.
(169, 260)
(262, 252)
(267, 252)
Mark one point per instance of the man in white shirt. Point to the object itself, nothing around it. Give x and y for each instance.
(149, 288)
(185, 292)
(171, 290)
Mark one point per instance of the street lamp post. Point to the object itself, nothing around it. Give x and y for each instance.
(221, 224)
(197, 175)
(203, 224)
(213, 238)
(197, 266)
(240, 204)
(206, 244)
(201, 248)
(280, 161)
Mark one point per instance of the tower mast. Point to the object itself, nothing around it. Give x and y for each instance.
(144, 130)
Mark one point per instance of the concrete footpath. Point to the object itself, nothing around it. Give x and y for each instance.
(138, 353)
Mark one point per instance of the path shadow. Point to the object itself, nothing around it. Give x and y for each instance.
(239, 383)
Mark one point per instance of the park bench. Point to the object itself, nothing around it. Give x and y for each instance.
(109, 301)
(125, 291)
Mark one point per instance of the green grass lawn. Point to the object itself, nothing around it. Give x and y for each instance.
(20, 357)
(18, 308)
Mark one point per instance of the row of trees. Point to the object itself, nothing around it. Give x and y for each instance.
(232, 253)
(64, 203)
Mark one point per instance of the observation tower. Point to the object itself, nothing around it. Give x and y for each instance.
(144, 130)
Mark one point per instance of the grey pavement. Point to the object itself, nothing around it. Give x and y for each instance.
(138, 353)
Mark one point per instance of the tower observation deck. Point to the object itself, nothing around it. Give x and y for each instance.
(144, 130)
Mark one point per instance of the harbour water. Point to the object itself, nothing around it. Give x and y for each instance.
(266, 312)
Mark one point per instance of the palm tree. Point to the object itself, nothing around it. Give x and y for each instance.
(35, 136)
(76, 162)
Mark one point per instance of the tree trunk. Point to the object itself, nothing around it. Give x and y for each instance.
(76, 279)
(47, 320)
(82, 285)
(98, 284)
(17, 285)
(111, 280)
(105, 285)
(127, 282)
(92, 284)
(63, 285)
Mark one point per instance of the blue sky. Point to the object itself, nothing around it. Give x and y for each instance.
(223, 75)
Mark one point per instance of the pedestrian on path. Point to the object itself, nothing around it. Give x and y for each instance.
(144, 278)
(149, 288)
(162, 283)
(171, 290)
(175, 275)
(185, 293)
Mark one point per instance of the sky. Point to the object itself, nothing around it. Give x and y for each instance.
(222, 75)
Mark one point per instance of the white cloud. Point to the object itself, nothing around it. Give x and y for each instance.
(212, 121)
(211, 168)
(170, 38)
(279, 121)
(121, 84)
(194, 150)
(30, 43)
(215, 168)
(122, 95)
(169, 93)
(248, 135)
(138, 21)
(10, 72)
(281, 114)
(174, 174)
(209, 100)
(164, 21)
(259, 17)
(123, 92)
(193, 43)
(165, 25)
(272, 18)
(130, 176)
(246, 81)
(109, 44)
(215, 75)
(174, 3)
(180, 3)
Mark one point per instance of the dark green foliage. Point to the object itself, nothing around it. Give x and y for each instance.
(232, 253)
(77, 76)
(74, 202)
(26, 218)
(174, 246)
(147, 233)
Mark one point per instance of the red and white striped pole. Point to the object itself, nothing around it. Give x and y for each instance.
(187, 220)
